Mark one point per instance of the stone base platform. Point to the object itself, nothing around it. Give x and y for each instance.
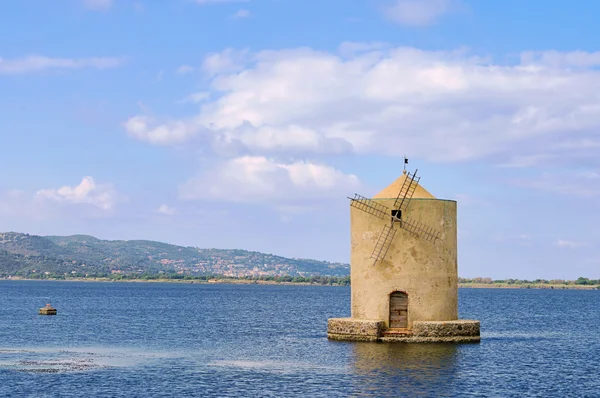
(350, 329)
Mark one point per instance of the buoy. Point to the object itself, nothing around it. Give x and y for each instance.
(48, 310)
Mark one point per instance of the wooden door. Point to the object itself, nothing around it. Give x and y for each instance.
(398, 310)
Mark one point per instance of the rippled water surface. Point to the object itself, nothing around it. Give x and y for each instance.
(152, 340)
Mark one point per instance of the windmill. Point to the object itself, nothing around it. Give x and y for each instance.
(400, 205)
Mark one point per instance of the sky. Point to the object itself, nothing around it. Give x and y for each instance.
(247, 124)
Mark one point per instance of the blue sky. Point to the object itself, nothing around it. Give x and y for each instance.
(246, 124)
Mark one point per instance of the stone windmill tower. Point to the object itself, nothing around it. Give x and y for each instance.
(403, 268)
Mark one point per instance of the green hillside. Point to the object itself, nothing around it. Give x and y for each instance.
(27, 255)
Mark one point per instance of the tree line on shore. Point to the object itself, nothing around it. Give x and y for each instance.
(489, 281)
(314, 279)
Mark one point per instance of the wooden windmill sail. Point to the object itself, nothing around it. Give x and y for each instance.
(397, 219)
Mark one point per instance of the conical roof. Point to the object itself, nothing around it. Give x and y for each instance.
(392, 190)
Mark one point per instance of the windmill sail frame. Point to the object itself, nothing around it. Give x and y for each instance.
(401, 204)
(383, 243)
(406, 191)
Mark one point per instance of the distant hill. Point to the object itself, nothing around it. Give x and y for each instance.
(81, 255)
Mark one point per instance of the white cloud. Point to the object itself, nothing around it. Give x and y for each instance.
(102, 196)
(520, 161)
(166, 209)
(375, 99)
(16, 193)
(523, 240)
(36, 63)
(352, 49)
(292, 138)
(569, 244)
(557, 59)
(98, 4)
(17, 204)
(197, 97)
(242, 13)
(578, 184)
(227, 61)
(183, 69)
(588, 175)
(417, 12)
(172, 133)
(258, 179)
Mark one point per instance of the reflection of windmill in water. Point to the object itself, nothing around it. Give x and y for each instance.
(403, 268)
(397, 216)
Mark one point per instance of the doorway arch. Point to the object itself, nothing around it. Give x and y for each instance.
(398, 310)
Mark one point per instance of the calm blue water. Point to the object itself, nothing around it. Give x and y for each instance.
(153, 340)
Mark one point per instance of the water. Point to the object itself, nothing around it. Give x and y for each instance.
(142, 340)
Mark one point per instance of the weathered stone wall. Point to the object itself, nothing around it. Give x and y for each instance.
(350, 329)
(426, 272)
(419, 339)
(354, 329)
(446, 329)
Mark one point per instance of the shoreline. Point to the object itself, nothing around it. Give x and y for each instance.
(527, 286)
(264, 282)
(166, 280)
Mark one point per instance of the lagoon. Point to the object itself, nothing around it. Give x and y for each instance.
(163, 339)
